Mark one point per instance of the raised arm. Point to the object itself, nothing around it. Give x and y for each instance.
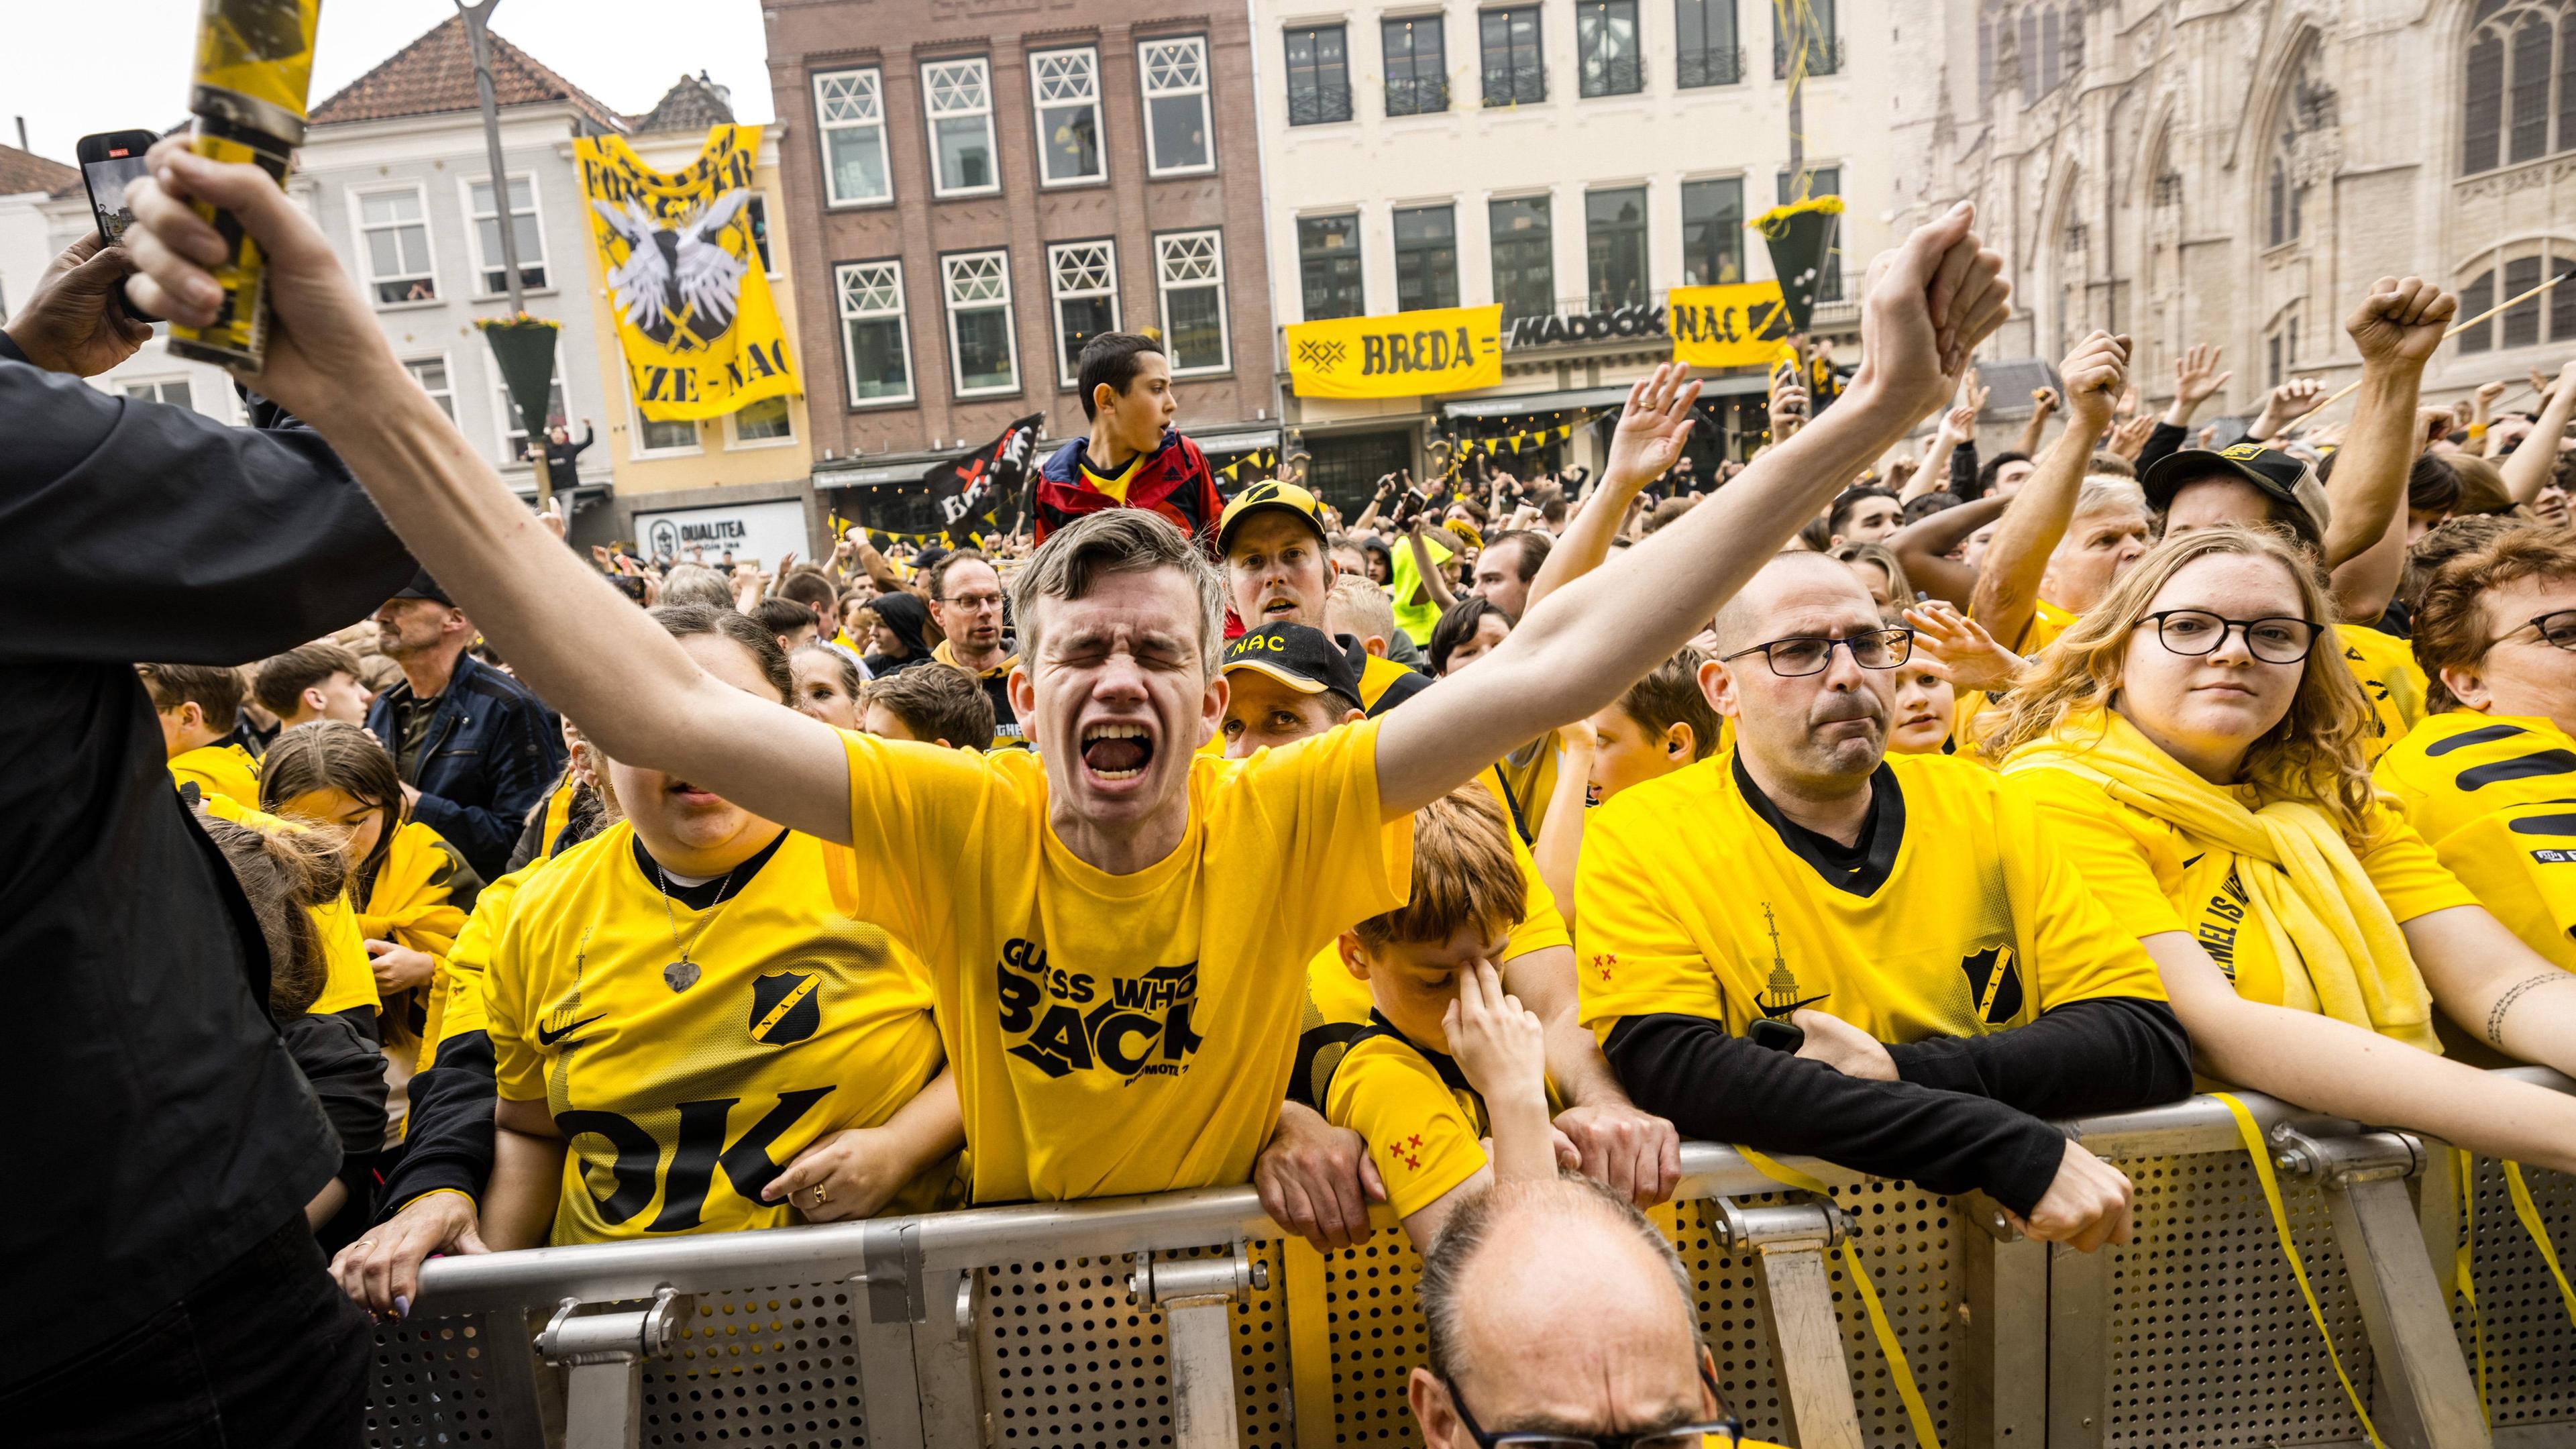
(576, 641)
(2007, 594)
(2043, 402)
(2196, 380)
(1924, 546)
(1435, 584)
(1586, 540)
(2396, 328)
(2526, 468)
(1930, 302)
(1957, 426)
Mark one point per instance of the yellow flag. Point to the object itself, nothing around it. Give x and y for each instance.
(685, 280)
(1441, 349)
(1741, 324)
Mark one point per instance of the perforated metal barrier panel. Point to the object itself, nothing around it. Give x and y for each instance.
(2530, 1345)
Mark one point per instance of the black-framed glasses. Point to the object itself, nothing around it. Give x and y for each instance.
(1681, 1436)
(2274, 639)
(2556, 629)
(1804, 654)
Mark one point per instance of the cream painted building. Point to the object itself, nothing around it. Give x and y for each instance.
(1564, 159)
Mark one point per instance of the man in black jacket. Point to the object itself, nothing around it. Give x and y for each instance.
(476, 750)
(167, 1286)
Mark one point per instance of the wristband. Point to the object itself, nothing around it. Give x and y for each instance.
(2477, 431)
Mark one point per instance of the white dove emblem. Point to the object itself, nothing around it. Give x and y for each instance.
(676, 276)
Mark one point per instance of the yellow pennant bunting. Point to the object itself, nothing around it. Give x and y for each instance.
(1441, 349)
(1740, 324)
(700, 334)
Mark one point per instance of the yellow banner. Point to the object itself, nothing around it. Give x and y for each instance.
(1443, 349)
(1741, 324)
(694, 316)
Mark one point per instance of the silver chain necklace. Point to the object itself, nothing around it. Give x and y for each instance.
(683, 973)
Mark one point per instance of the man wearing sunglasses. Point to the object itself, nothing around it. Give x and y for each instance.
(1944, 980)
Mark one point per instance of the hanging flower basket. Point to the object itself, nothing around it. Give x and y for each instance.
(524, 347)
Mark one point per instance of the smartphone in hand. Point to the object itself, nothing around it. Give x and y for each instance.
(109, 161)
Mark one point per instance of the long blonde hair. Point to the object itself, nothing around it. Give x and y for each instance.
(2314, 753)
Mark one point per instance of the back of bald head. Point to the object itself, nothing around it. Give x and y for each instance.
(1740, 620)
(1520, 1252)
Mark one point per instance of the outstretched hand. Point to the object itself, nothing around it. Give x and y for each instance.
(2196, 375)
(1959, 649)
(1652, 427)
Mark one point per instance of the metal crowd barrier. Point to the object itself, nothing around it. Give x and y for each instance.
(1186, 1320)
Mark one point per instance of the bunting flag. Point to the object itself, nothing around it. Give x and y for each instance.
(1408, 354)
(1267, 457)
(969, 485)
(1801, 238)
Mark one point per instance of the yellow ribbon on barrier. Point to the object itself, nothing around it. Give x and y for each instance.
(2529, 1212)
(2253, 1138)
(2464, 1166)
(1920, 1413)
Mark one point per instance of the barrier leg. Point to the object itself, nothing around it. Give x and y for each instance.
(2079, 1346)
(603, 1355)
(2425, 1398)
(2002, 1395)
(943, 1366)
(1195, 1295)
(1788, 1243)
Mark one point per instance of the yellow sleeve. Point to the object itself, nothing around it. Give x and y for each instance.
(2521, 861)
(347, 978)
(2410, 877)
(1541, 924)
(1309, 814)
(1417, 1133)
(2090, 834)
(1633, 955)
(925, 808)
(518, 1071)
(2082, 950)
(456, 1004)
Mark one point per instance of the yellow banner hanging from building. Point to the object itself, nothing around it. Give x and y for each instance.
(1442, 349)
(695, 321)
(1741, 324)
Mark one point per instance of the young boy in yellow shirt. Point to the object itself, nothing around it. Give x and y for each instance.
(198, 705)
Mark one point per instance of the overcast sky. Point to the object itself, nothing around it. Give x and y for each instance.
(107, 65)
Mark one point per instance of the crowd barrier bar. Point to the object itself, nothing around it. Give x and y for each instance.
(2051, 1347)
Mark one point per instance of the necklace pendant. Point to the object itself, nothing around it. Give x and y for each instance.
(681, 974)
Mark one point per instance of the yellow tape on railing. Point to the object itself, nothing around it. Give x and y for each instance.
(2253, 1138)
(1920, 1413)
(2464, 1166)
(2525, 1209)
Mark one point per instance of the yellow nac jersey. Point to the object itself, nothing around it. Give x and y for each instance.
(2495, 796)
(420, 898)
(686, 1079)
(2154, 877)
(1951, 917)
(220, 772)
(1423, 1123)
(1120, 1033)
(2390, 677)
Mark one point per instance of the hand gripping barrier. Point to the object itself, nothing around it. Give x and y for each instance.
(1185, 1319)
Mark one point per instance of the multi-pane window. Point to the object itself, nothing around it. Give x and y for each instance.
(393, 234)
(756, 211)
(1824, 49)
(1176, 105)
(1083, 278)
(654, 439)
(1328, 266)
(490, 273)
(431, 374)
(876, 343)
(1515, 72)
(1524, 257)
(1417, 65)
(1426, 257)
(1189, 271)
(849, 111)
(1705, 44)
(983, 350)
(958, 99)
(1066, 84)
(173, 391)
(1712, 232)
(1319, 75)
(1605, 48)
(2520, 98)
(765, 421)
(1823, 181)
(1614, 247)
(514, 433)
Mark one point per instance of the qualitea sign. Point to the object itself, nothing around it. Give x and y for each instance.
(763, 531)
(1407, 354)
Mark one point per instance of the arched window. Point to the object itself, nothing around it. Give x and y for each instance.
(2306, 105)
(2519, 98)
(2029, 56)
(2496, 277)
(2052, 52)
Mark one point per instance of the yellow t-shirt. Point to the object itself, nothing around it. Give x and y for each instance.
(1696, 897)
(1423, 1124)
(1120, 1033)
(2047, 621)
(220, 772)
(2153, 877)
(2495, 796)
(2390, 677)
(348, 975)
(1526, 781)
(1416, 619)
(681, 1104)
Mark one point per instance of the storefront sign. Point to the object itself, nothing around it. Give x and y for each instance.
(1635, 320)
(763, 531)
(1739, 325)
(1408, 354)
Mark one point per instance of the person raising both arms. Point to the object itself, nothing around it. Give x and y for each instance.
(1109, 864)
(2191, 750)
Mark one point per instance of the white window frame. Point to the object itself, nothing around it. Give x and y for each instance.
(474, 236)
(504, 414)
(125, 387)
(358, 230)
(1039, 102)
(777, 244)
(447, 365)
(1148, 92)
(637, 451)
(1164, 251)
(866, 104)
(1058, 294)
(931, 116)
(948, 299)
(735, 442)
(901, 312)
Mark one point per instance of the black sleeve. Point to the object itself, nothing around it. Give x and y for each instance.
(2109, 1054)
(120, 515)
(347, 1073)
(522, 763)
(447, 1139)
(1722, 1088)
(1963, 469)
(532, 835)
(2161, 444)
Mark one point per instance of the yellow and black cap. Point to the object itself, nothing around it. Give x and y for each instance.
(1306, 660)
(1270, 493)
(2282, 477)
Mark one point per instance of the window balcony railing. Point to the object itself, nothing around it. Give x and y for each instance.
(1517, 85)
(1423, 96)
(1318, 105)
(1621, 75)
(1825, 56)
(1714, 66)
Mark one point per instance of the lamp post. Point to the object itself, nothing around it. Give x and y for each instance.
(478, 18)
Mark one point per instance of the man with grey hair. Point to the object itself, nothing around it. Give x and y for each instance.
(1513, 1268)
(689, 583)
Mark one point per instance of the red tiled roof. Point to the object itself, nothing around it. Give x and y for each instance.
(435, 74)
(25, 171)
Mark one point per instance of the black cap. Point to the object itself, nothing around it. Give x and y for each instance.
(2279, 476)
(1305, 659)
(422, 586)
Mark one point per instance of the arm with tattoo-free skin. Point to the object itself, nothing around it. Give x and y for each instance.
(2007, 595)
(1925, 545)
(2526, 469)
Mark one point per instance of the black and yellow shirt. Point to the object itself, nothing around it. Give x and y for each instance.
(1120, 1033)
(997, 690)
(220, 772)
(1384, 684)
(1424, 1125)
(683, 1089)
(2495, 796)
(1951, 917)
(2390, 678)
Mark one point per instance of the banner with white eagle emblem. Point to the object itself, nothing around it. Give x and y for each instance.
(685, 281)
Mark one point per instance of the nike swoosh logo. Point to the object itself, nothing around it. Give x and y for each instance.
(2195, 860)
(549, 1038)
(1781, 1013)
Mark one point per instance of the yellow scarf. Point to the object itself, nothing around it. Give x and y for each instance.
(2340, 951)
(409, 905)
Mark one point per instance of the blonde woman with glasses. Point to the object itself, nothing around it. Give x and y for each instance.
(2203, 764)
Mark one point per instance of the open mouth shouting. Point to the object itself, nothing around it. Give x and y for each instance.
(1278, 607)
(1116, 751)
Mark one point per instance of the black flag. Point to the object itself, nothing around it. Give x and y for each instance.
(968, 486)
(1801, 238)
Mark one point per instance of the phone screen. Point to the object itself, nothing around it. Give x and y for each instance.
(107, 180)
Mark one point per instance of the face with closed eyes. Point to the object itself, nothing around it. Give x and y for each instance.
(1117, 697)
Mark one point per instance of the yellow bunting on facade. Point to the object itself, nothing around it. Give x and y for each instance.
(1740, 324)
(1441, 349)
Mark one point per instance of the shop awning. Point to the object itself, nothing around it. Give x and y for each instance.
(880, 469)
(1235, 440)
(1513, 405)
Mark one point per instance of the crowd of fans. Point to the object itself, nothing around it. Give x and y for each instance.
(1855, 800)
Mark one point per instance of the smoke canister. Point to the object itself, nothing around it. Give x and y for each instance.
(254, 73)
